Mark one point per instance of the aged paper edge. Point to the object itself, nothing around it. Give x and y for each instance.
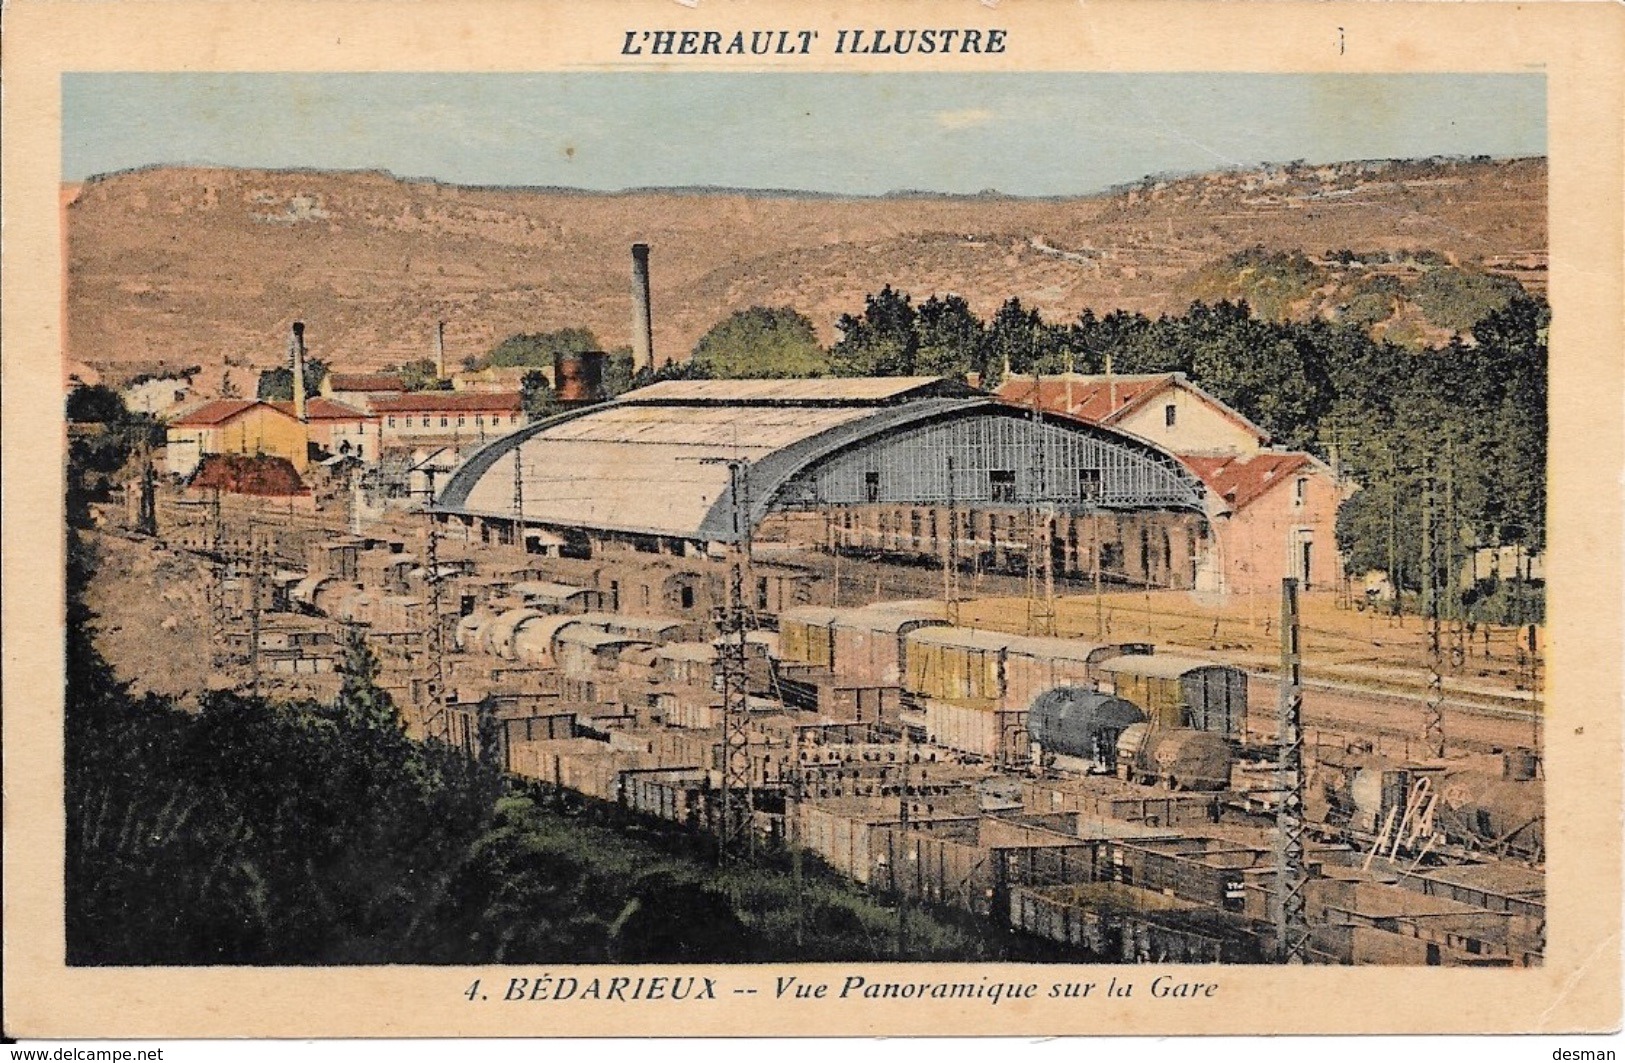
(1579, 48)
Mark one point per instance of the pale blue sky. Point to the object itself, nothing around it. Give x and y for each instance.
(855, 134)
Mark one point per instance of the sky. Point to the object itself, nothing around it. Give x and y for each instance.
(1029, 134)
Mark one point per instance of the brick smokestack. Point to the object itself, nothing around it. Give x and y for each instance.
(578, 376)
(440, 350)
(643, 343)
(296, 358)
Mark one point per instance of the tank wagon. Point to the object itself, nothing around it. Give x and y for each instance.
(1081, 726)
(1179, 758)
(1477, 809)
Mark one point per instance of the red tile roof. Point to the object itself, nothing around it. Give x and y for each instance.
(365, 382)
(1240, 481)
(214, 412)
(1090, 398)
(320, 409)
(449, 402)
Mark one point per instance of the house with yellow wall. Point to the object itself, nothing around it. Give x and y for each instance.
(235, 426)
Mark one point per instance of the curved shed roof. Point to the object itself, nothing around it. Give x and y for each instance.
(658, 460)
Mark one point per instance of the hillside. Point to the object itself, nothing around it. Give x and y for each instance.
(208, 266)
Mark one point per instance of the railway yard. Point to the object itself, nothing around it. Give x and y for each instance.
(1099, 771)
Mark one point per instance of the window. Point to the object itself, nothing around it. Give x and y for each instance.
(1300, 491)
(1170, 413)
(761, 593)
(645, 594)
(480, 421)
(392, 422)
(1089, 485)
(871, 487)
(687, 597)
(1002, 485)
(444, 420)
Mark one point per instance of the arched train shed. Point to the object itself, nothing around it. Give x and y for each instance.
(680, 467)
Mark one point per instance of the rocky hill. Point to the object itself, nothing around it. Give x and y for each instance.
(188, 266)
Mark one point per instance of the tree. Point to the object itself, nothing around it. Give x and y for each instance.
(421, 375)
(95, 404)
(880, 342)
(276, 385)
(362, 704)
(1018, 342)
(762, 342)
(950, 337)
(538, 348)
(537, 396)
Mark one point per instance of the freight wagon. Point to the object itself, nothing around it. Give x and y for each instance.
(1182, 691)
(1176, 757)
(868, 644)
(1110, 921)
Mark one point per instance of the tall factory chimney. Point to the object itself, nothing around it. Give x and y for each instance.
(440, 350)
(643, 343)
(296, 358)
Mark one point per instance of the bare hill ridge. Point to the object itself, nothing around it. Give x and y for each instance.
(197, 266)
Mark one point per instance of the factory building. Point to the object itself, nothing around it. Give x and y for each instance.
(418, 417)
(1274, 512)
(912, 467)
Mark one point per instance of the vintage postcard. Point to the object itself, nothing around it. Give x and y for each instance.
(771, 519)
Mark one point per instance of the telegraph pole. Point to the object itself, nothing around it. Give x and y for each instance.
(1291, 875)
(902, 833)
(436, 722)
(950, 569)
(257, 584)
(518, 498)
(217, 583)
(736, 832)
(1433, 720)
(1040, 530)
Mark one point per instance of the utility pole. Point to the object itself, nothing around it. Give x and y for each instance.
(1291, 875)
(217, 583)
(950, 569)
(436, 721)
(1040, 529)
(256, 588)
(792, 812)
(1433, 720)
(902, 833)
(736, 832)
(518, 498)
(1100, 602)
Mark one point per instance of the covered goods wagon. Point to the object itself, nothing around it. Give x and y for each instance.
(1182, 691)
(868, 647)
(807, 637)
